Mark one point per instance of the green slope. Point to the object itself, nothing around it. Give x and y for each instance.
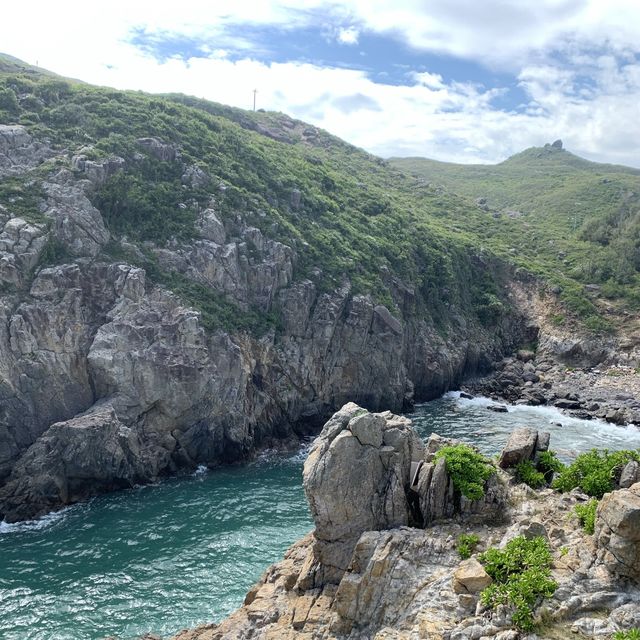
(358, 217)
(572, 221)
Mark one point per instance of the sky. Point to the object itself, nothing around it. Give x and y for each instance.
(455, 80)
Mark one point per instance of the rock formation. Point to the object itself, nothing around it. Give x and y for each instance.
(98, 331)
(385, 580)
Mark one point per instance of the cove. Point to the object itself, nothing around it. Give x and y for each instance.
(164, 557)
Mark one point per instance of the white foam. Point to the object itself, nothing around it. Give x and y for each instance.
(44, 522)
(201, 470)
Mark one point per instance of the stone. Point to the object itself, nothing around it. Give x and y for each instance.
(470, 577)
(630, 474)
(497, 408)
(617, 531)
(158, 149)
(519, 447)
(355, 485)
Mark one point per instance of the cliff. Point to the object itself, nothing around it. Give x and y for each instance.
(183, 284)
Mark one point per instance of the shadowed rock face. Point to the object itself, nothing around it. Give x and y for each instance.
(76, 336)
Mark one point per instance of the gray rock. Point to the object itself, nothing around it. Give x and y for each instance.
(617, 531)
(630, 474)
(519, 447)
(73, 460)
(158, 149)
(470, 577)
(354, 486)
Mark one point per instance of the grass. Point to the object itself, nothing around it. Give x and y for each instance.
(594, 472)
(576, 222)
(466, 544)
(359, 218)
(468, 469)
(587, 515)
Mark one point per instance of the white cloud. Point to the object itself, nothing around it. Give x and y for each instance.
(349, 35)
(552, 46)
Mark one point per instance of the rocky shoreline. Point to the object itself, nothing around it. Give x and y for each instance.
(607, 392)
(371, 570)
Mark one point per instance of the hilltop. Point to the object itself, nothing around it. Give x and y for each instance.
(574, 222)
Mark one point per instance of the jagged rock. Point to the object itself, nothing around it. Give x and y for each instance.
(470, 577)
(77, 223)
(355, 478)
(497, 408)
(519, 447)
(19, 151)
(158, 149)
(525, 355)
(21, 244)
(73, 460)
(567, 404)
(211, 228)
(617, 531)
(630, 474)
(557, 144)
(196, 177)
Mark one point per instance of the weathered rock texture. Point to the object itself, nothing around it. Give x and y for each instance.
(617, 531)
(406, 582)
(78, 336)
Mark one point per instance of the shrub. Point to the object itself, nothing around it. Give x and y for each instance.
(594, 472)
(587, 515)
(526, 472)
(548, 463)
(468, 469)
(467, 542)
(521, 574)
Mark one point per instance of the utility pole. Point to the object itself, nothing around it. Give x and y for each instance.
(254, 98)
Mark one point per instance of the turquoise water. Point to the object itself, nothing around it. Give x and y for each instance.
(186, 551)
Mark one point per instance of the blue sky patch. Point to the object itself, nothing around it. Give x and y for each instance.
(383, 58)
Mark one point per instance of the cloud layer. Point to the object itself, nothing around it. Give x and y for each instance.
(458, 80)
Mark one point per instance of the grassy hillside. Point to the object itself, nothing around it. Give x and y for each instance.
(355, 219)
(572, 221)
(345, 212)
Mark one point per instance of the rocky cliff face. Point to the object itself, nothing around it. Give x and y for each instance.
(109, 379)
(364, 574)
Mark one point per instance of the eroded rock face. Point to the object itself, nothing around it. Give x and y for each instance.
(355, 479)
(74, 460)
(405, 582)
(19, 151)
(617, 531)
(75, 336)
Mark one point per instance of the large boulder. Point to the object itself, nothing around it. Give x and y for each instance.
(520, 446)
(355, 479)
(617, 532)
(470, 577)
(74, 460)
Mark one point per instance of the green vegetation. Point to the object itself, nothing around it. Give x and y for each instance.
(587, 515)
(521, 574)
(467, 542)
(630, 634)
(594, 472)
(347, 214)
(565, 219)
(526, 472)
(21, 197)
(468, 469)
(540, 474)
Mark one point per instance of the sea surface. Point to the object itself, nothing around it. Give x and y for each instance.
(173, 555)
